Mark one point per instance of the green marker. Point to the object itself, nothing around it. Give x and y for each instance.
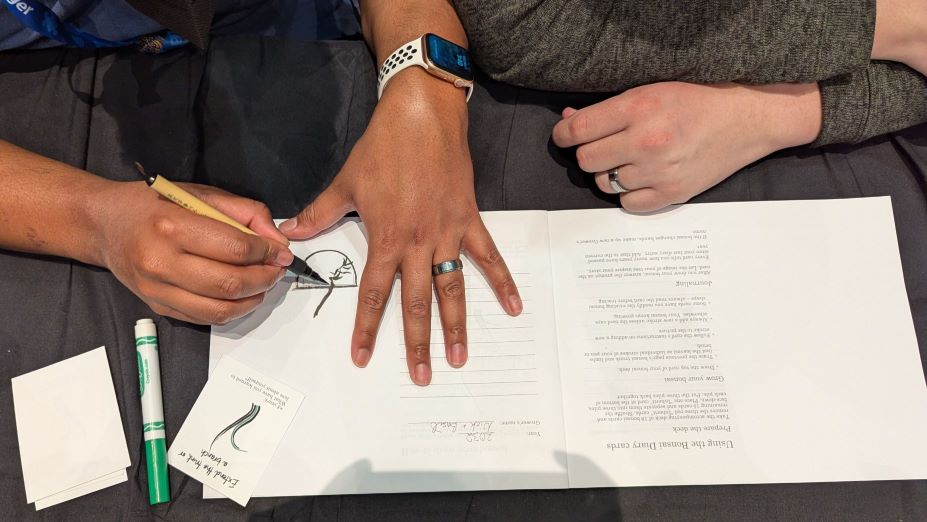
(149, 387)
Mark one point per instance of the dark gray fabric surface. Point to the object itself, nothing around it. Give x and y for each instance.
(608, 46)
(275, 121)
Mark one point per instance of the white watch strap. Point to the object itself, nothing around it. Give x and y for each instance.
(407, 55)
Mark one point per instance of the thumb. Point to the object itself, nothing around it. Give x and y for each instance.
(325, 211)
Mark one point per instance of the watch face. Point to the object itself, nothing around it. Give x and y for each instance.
(448, 56)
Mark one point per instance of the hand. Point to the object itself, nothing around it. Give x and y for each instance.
(671, 141)
(188, 266)
(411, 180)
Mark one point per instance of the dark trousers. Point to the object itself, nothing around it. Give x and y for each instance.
(274, 121)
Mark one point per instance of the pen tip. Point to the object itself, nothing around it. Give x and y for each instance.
(141, 170)
(316, 277)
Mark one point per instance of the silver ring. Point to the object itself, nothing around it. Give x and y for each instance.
(445, 267)
(613, 181)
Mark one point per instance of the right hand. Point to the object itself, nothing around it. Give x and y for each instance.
(188, 266)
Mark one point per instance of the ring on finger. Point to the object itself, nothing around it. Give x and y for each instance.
(445, 267)
(613, 181)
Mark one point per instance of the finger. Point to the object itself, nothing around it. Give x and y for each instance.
(482, 250)
(167, 311)
(250, 213)
(416, 315)
(644, 200)
(331, 205)
(629, 177)
(591, 123)
(210, 278)
(203, 310)
(375, 287)
(452, 306)
(567, 112)
(205, 237)
(605, 153)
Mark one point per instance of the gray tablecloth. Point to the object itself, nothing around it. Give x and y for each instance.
(274, 120)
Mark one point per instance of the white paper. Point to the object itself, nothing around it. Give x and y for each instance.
(493, 424)
(737, 343)
(68, 424)
(116, 477)
(233, 429)
(794, 326)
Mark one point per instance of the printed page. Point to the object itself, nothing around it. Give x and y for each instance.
(737, 343)
(496, 423)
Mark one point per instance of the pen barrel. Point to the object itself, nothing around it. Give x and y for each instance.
(149, 386)
(193, 204)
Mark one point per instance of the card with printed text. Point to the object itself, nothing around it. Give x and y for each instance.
(233, 429)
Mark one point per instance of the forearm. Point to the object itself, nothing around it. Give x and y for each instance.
(605, 46)
(46, 207)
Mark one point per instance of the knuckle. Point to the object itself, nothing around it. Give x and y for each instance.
(493, 257)
(221, 313)
(417, 307)
(164, 226)
(231, 286)
(151, 265)
(262, 210)
(308, 214)
(418, 351)
(238, 249)
(585, 156)
(453, 289)
(456, 330)
(366, 336)
(578, 126)
(373, 301)
(644, 102)
(506, 286)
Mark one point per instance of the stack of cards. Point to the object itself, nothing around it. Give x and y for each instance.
(71, 440)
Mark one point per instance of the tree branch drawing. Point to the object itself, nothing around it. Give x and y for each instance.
(343, 276)
(237, 425)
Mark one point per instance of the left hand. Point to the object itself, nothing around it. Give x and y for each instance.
(673, 140)
(410, 178)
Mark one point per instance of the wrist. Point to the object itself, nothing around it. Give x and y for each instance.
(900, 31)
(415, 100)
(790, 114)
(101, 213)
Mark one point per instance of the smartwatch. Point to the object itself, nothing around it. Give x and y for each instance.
(441, 58)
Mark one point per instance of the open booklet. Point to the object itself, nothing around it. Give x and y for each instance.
(707, 344)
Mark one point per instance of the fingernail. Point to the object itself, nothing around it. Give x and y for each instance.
(422, 374)
(284, 258)
(288, 225)
(362, 358)
(458, 355)
(515, 305)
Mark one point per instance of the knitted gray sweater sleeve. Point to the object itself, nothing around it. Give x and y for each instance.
(886, 97)
(612, 45)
